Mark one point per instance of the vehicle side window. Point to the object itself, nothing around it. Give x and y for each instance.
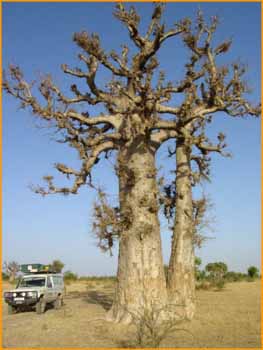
(49, 283)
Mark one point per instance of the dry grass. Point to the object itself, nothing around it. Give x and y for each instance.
(228, 318)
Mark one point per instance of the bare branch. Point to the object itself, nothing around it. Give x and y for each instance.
(131, 20)
(80, 176)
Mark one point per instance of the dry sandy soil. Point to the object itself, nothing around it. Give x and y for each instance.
(229, 318)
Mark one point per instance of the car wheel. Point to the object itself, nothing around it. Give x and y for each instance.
(11, 309)
(40, 306)
(58, 302)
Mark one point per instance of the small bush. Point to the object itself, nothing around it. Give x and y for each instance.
(151, 328)
(220, 284)
(250, 279)
(204, 285)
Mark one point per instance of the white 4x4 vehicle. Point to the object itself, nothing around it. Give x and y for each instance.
(36, 290)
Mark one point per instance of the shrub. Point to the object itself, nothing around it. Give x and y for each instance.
(220, 284)
(250, 279)
(204, 285)
(151, 327)
(232, 276)
(70, 276)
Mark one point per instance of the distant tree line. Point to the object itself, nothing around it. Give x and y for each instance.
(214, 274)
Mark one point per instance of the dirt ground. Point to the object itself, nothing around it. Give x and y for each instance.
(228, 318)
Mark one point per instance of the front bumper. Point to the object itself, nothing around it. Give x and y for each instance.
(26, 302)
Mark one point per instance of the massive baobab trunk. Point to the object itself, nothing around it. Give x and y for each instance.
(181, 279)
(140, 278)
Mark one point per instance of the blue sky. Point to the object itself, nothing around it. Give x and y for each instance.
(38, 37)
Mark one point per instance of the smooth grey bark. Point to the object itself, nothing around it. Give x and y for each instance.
(181, 279)
(140, 277)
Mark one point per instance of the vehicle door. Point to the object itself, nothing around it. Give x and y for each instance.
(55, 284)
(50, 293)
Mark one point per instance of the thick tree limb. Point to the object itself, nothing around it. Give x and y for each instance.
(161, 136)
(167, 109)
(164, 124)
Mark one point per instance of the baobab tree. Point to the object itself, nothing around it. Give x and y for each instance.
(135, 127)
(11, 268)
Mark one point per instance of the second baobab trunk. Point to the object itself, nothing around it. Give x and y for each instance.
(181, 278)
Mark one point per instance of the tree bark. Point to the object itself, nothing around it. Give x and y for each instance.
(181, 278)
(140, 277)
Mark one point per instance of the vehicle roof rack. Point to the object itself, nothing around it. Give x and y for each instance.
(44, 272)
(36, 269)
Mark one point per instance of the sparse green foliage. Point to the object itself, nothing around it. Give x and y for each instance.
(232, 276)
(57, 266)
(70, 276)
(106, 222)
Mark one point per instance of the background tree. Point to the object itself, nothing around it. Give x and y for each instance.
(216, 270)
(57, 266)
(11, 269)
(133, 123)
(253, 272)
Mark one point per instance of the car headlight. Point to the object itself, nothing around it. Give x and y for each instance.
(23, 294)
(14, 294)
(31, 294)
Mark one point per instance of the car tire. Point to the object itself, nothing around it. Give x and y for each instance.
(11, 310)
(58, 302)
(40, 306)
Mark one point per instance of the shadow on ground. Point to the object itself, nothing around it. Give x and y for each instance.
(95, 297)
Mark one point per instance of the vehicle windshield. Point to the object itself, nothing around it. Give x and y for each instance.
(32, 282)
